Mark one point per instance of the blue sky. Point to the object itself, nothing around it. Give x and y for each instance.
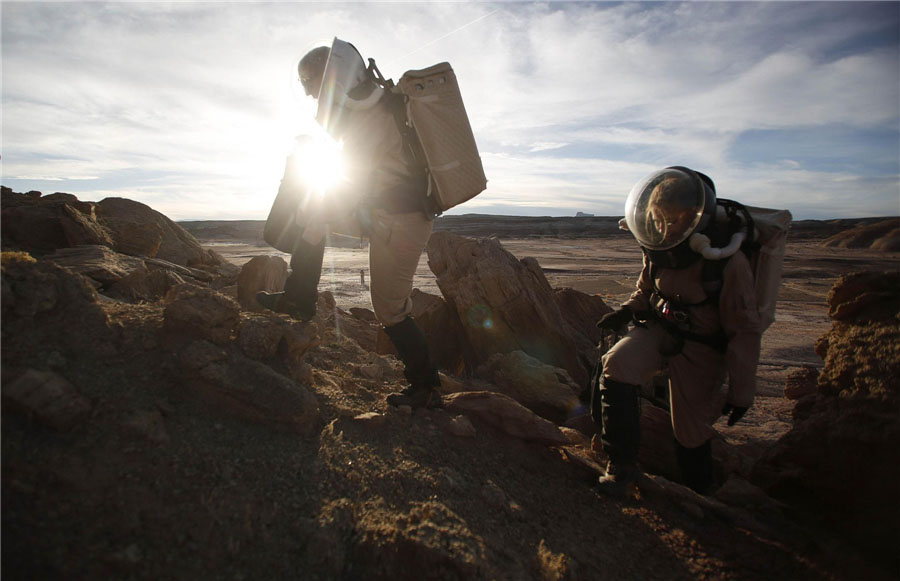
(191, 107)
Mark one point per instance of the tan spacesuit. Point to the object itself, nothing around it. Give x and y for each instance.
(383, 195)
(698, 317)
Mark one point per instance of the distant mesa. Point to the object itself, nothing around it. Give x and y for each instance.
(881, 235)
(583, 215)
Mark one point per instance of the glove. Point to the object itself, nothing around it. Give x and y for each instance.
(736, 412)
(615, 319)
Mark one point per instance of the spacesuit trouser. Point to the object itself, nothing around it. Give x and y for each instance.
(696, 372)
(396, 242)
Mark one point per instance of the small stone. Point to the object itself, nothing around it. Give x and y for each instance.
(373, 419)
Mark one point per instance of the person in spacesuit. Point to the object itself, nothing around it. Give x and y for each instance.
(384, 192)
(696, 317)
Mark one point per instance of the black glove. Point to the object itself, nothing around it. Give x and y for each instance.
(736, 412)
(615, 319)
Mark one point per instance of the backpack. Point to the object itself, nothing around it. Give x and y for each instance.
(764, 246)
(765, 250)
(432, 121)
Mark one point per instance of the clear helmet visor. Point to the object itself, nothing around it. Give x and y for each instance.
(666, 207)
(344, 70)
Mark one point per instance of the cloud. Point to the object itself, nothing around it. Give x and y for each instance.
(192, 106)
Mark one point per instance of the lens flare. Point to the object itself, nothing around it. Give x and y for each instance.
(479, 316)
(321, 163)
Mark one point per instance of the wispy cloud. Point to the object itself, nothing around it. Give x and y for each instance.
(191, 107)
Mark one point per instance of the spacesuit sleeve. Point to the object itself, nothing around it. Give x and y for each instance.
(640, 298)
(741, 323)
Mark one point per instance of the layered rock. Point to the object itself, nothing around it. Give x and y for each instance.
(42, 224)
(882, 235)
(503, 304)
(138, 229)
(548, 391)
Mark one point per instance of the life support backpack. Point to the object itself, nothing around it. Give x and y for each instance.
(765, 238)
(432, 120)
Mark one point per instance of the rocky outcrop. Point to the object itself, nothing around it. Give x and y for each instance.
(200, 312)
(38, 295)
(142, 231)
(248, 388)
(47, 397)
(839, 461)
(547, 391)
(582, 311)
(882, 235)
(503, 304)
(260, 273)
(505, 414)
(42, 224)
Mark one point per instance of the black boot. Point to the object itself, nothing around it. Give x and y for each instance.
(301, 287)
(696, 466)
(620, 412)
(420, 371)
(280, 303)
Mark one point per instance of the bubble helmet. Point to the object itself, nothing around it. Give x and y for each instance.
(337, 78)
(664, 209)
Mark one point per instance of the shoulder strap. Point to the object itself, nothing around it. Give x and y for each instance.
(415, 156)
(711, 276)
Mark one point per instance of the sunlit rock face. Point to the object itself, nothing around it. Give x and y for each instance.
(840, 459)
(41, 224)
(504, 304)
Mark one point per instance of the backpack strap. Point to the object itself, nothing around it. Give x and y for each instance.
(711, 276)
(412, 149)
(660, 305)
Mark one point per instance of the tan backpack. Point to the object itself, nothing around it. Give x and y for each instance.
(435, 127)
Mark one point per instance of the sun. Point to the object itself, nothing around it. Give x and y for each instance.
(320, 163)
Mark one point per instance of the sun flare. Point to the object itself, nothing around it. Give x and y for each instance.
(320, 163)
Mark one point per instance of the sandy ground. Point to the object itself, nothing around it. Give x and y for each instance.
(608, 266)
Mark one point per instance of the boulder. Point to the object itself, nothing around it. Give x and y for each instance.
(505, 414)
(546, 390)
(503, 304)
(801, 382)
(865, 296)
(259, 336)
(248, 389)
(200, 312)
(46, 307)
(582, 311)
(144, 285)
(260, 273)
(48, 398)
(139, 229)
(99, 263)
(41, 224)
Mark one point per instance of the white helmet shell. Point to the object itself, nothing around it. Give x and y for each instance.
(344, 71)
(666, 207)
